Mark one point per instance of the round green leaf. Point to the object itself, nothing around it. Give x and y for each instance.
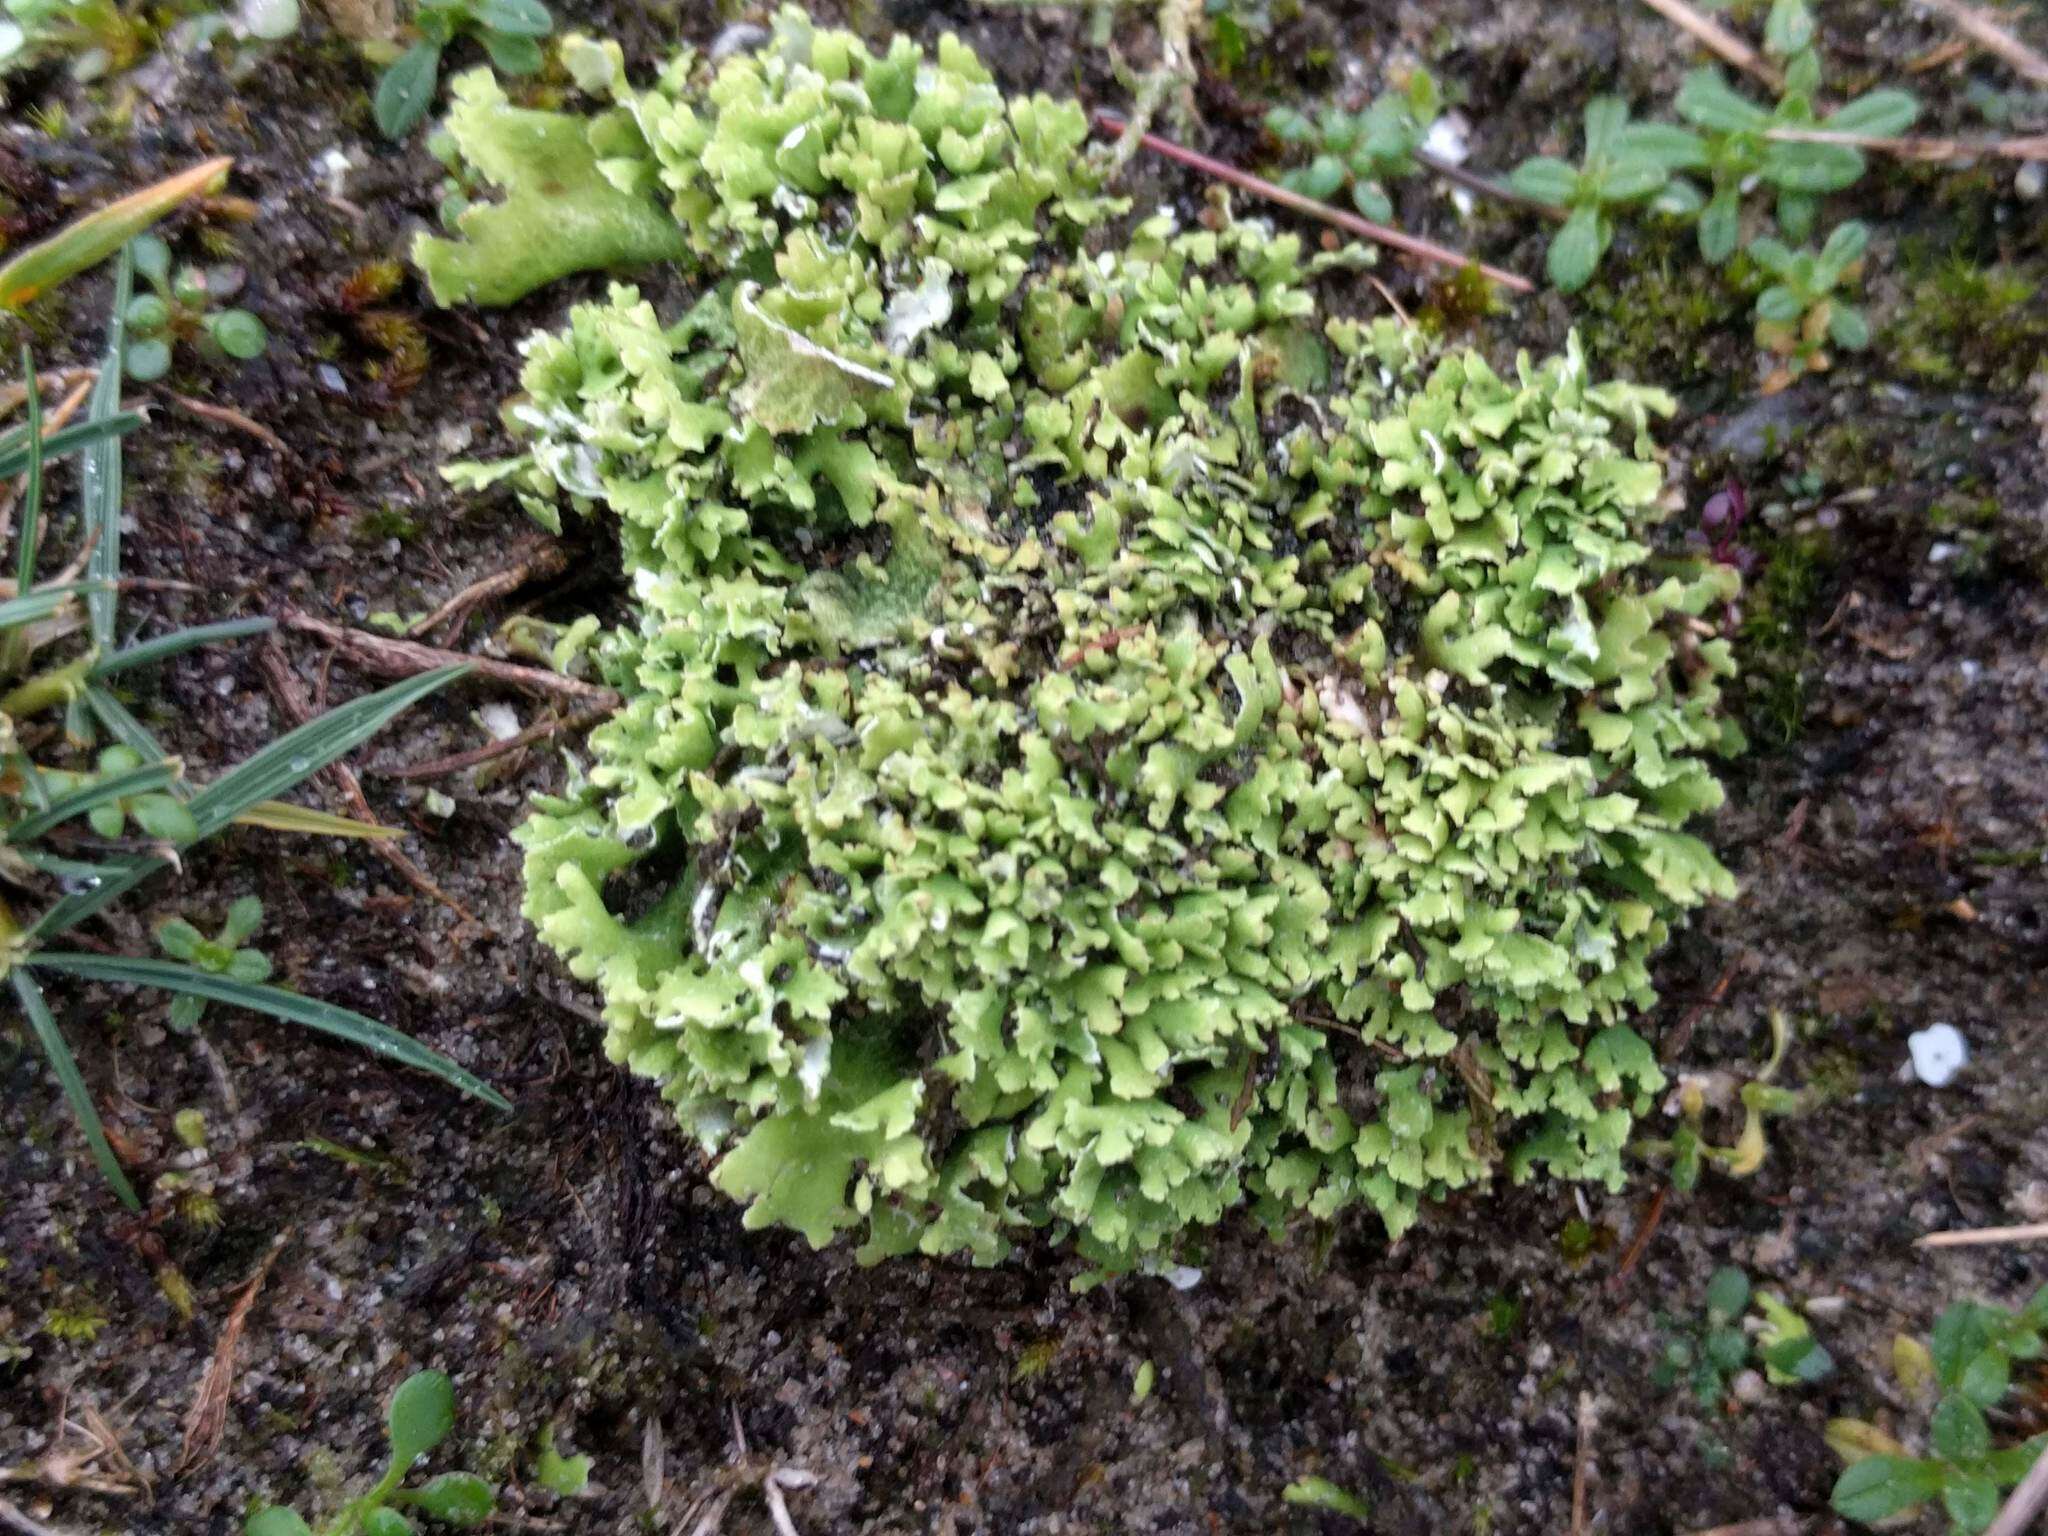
(1323, 176)
(1848, 329)
(1878, 1487)
(1986, 1377)
(238, 333)
(454, 1498)
(147, 314)
(513, 53)
(152, 260)
(1371, 201)
(407, 90)
(1971, 1500)
(275, 1521)
(148, 360)
(422, 1412)
(1546, 179)
(1779, 305)
(386, 1522)
(1959, 1432)
(523, 18)
(1728, 1293)
(1575, 250)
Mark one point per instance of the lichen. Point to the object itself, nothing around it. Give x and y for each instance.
(1104, 741)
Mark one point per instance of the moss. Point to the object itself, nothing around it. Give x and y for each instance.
(1781, 608)
(1966, 323)
(1660, 314)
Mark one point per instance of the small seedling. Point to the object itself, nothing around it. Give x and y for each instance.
(177, 311)
(422, 1413)
(1688, 1147)
(1968, 1361)
(1625, 164)
(1709, 1354)
(1321, 1493)
(1360, 150)
(221, 955)
(510, 31)
(1800, 314)
(563, 1476)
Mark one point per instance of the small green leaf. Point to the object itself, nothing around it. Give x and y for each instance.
(1879, 1487)
(513, 54)
(1721, 226)
(277, 1520)
(148, 360)
(1881, 114)
(421, 1414)
(1789, 27)
(454, 1498)
(1728, 1293)
(1986, 1378)
(1958, 1431)
(1321, 1493)
(1546, 179)
(1971, 1500)
(562, 1475)
(407, 90)
(386, 1522)
(1575, 250)
(1847, 328)
(523, 18)
(1779, 305)
(238, 333)
(1707, 99)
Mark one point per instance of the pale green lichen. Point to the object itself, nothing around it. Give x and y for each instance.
(1102, 744)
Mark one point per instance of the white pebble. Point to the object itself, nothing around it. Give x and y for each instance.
(1939, 1052)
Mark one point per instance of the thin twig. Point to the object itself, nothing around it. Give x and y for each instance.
(1972, 1237)
(459, 761)
(1990, 36)
(1582, 1463)
(292, 700)
(538, 560)
(221, 415)
(2030, 147)
(1351, 223)
(1472, 181)
(2026, 1502)
(1651, 1217)
(209, 1414)
(1770, 1525)
(14, 396)
(1719, 39)
(408, 658)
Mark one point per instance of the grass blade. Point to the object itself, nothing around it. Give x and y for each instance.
(283, 816)
(100, 483)
(14, 445)
(131, 732)
(32, 497)
(173, 644)
(40, 605)
(136, 781)
(114, 880)
(298, 755)
(65, 1065)
(88, 241)
(380, 1039)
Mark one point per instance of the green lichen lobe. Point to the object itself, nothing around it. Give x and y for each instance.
(1104, 744)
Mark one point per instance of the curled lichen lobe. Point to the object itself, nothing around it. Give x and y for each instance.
(1102, 743)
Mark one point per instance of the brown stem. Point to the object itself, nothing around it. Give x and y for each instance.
(1351, 223)
(408, 658)
(458, 761)
(1499, 191)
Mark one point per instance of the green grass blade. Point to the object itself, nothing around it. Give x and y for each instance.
(379, 1039)
(148, 651)
(40, 605)
(137, 781)
(298, 755)
(100, 483)
(131, 732)
(59, 867)
(14, 445)
(32, 497)
(115, 880)
(65, 1065)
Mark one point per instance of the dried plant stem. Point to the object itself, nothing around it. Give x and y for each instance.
(459, 761)
(221, 415)
(1974, 1237)
(1987, 34)
(2030, 147)
(2026, 1501)
(209, 1414)
(1484, 186)
(1719, 39)
(1393, 239)
(407, 658)
(536, 560)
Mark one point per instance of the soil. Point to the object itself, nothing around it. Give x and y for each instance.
(568, 1263)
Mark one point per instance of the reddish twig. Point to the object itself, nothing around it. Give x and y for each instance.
(292, 700)
(408, 658)
(457, 762)
(1718, 39)
(2028, 147)
(221, 415)
(1641, 1243)
(1680, 1037)
(1351, 223)
(1987, 34)
(209, 1414)
(536, 560)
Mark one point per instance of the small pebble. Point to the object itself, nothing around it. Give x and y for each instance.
(1938, 1052)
